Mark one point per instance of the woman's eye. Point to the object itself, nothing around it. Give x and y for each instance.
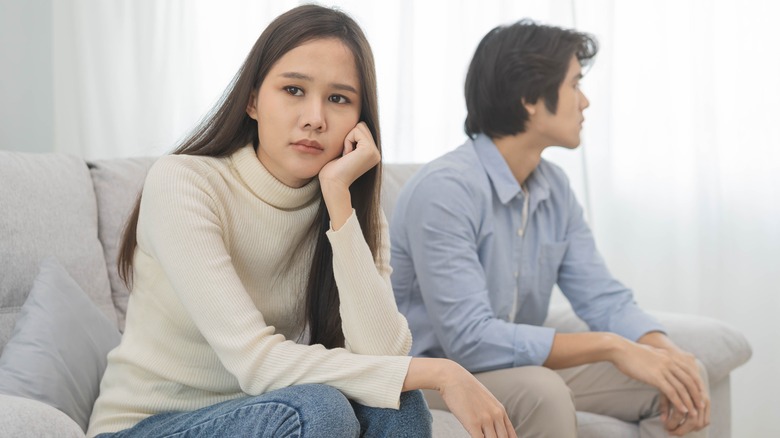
(337, 98)
(295, 91)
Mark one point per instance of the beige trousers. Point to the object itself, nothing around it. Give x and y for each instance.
(542, 403)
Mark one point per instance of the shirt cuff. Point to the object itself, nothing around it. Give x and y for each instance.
(532, 344)
(633, 323)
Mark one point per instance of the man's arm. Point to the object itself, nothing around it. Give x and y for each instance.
(688, 362)
(608, 306)
(596, 296)
(441, 223)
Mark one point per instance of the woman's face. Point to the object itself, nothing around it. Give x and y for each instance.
(304, 109)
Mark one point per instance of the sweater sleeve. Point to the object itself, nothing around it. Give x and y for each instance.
(183, 232)
(370, 318)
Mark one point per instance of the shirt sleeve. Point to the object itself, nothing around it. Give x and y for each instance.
(183, 232)
(442, 223)
(596, 296)
(370, 318)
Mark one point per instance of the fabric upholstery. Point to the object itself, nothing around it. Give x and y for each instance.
(394, 176)
(599, 426)
(25, 418)
(117, 186)
(47, 207)
(589, 425)
(57, 351)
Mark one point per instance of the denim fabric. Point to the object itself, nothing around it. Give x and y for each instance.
(412, 420)
(297, 412)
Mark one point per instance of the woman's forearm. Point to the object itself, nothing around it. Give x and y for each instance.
(338, 201)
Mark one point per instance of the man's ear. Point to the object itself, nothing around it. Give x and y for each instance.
(531, 108)
(251, 106)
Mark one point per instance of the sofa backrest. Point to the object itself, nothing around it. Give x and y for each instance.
(47, 207)
(61, 205)
(117, 185)
(394, 176)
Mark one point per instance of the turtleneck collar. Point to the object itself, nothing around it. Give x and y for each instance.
(266, 187)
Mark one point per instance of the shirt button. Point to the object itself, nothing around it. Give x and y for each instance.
(516, 274)
(520, 232)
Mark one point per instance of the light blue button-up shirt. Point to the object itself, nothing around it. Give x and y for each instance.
(475, 282)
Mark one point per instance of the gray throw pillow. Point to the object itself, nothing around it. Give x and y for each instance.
(57, 351)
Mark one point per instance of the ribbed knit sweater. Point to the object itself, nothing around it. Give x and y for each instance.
(220, 273)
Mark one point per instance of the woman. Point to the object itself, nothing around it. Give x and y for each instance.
(261, 301)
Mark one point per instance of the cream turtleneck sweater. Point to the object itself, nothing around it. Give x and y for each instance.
(217, 303)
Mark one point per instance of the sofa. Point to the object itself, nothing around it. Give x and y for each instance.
(62, 305)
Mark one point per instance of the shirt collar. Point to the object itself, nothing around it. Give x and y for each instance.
(504, 183)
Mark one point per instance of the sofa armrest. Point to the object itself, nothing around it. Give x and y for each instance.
(719, 346)
(25, 418)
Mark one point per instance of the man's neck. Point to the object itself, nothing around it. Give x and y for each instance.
(521, 152)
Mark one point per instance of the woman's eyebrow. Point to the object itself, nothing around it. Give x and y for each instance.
(304, 77)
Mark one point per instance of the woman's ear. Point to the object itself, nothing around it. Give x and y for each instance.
(251, 107)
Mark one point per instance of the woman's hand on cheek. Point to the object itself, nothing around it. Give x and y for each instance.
(360, 154)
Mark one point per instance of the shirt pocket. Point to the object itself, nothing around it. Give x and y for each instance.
(550, 258)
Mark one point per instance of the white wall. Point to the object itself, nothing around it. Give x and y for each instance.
(26, 84)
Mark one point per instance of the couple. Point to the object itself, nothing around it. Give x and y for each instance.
(259, 261)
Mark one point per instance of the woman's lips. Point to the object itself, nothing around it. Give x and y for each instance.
(308, 147)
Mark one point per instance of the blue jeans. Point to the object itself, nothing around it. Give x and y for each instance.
(298, 411)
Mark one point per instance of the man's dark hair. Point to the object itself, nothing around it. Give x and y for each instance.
(521, 61)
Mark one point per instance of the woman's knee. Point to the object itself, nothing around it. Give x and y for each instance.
(414, 411)
(323, 411)
(411, 419)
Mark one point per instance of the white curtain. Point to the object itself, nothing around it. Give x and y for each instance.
(679, 169)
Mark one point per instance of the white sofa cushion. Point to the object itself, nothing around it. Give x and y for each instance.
(24, 418)
(47, 206)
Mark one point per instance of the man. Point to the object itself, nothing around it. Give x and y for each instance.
(481, 235)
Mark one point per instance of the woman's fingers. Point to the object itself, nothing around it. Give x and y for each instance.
(476, 408)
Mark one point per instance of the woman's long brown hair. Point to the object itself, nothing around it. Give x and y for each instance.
(228, 128)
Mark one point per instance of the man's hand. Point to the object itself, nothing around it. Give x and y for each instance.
(676, 422)
(654, 360)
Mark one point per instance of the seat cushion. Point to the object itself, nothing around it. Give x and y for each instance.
(48, 208)
(25, 418)
(445, 425)
(600, 426)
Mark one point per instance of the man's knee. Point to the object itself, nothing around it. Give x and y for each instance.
(545, 391)
(533, 395)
